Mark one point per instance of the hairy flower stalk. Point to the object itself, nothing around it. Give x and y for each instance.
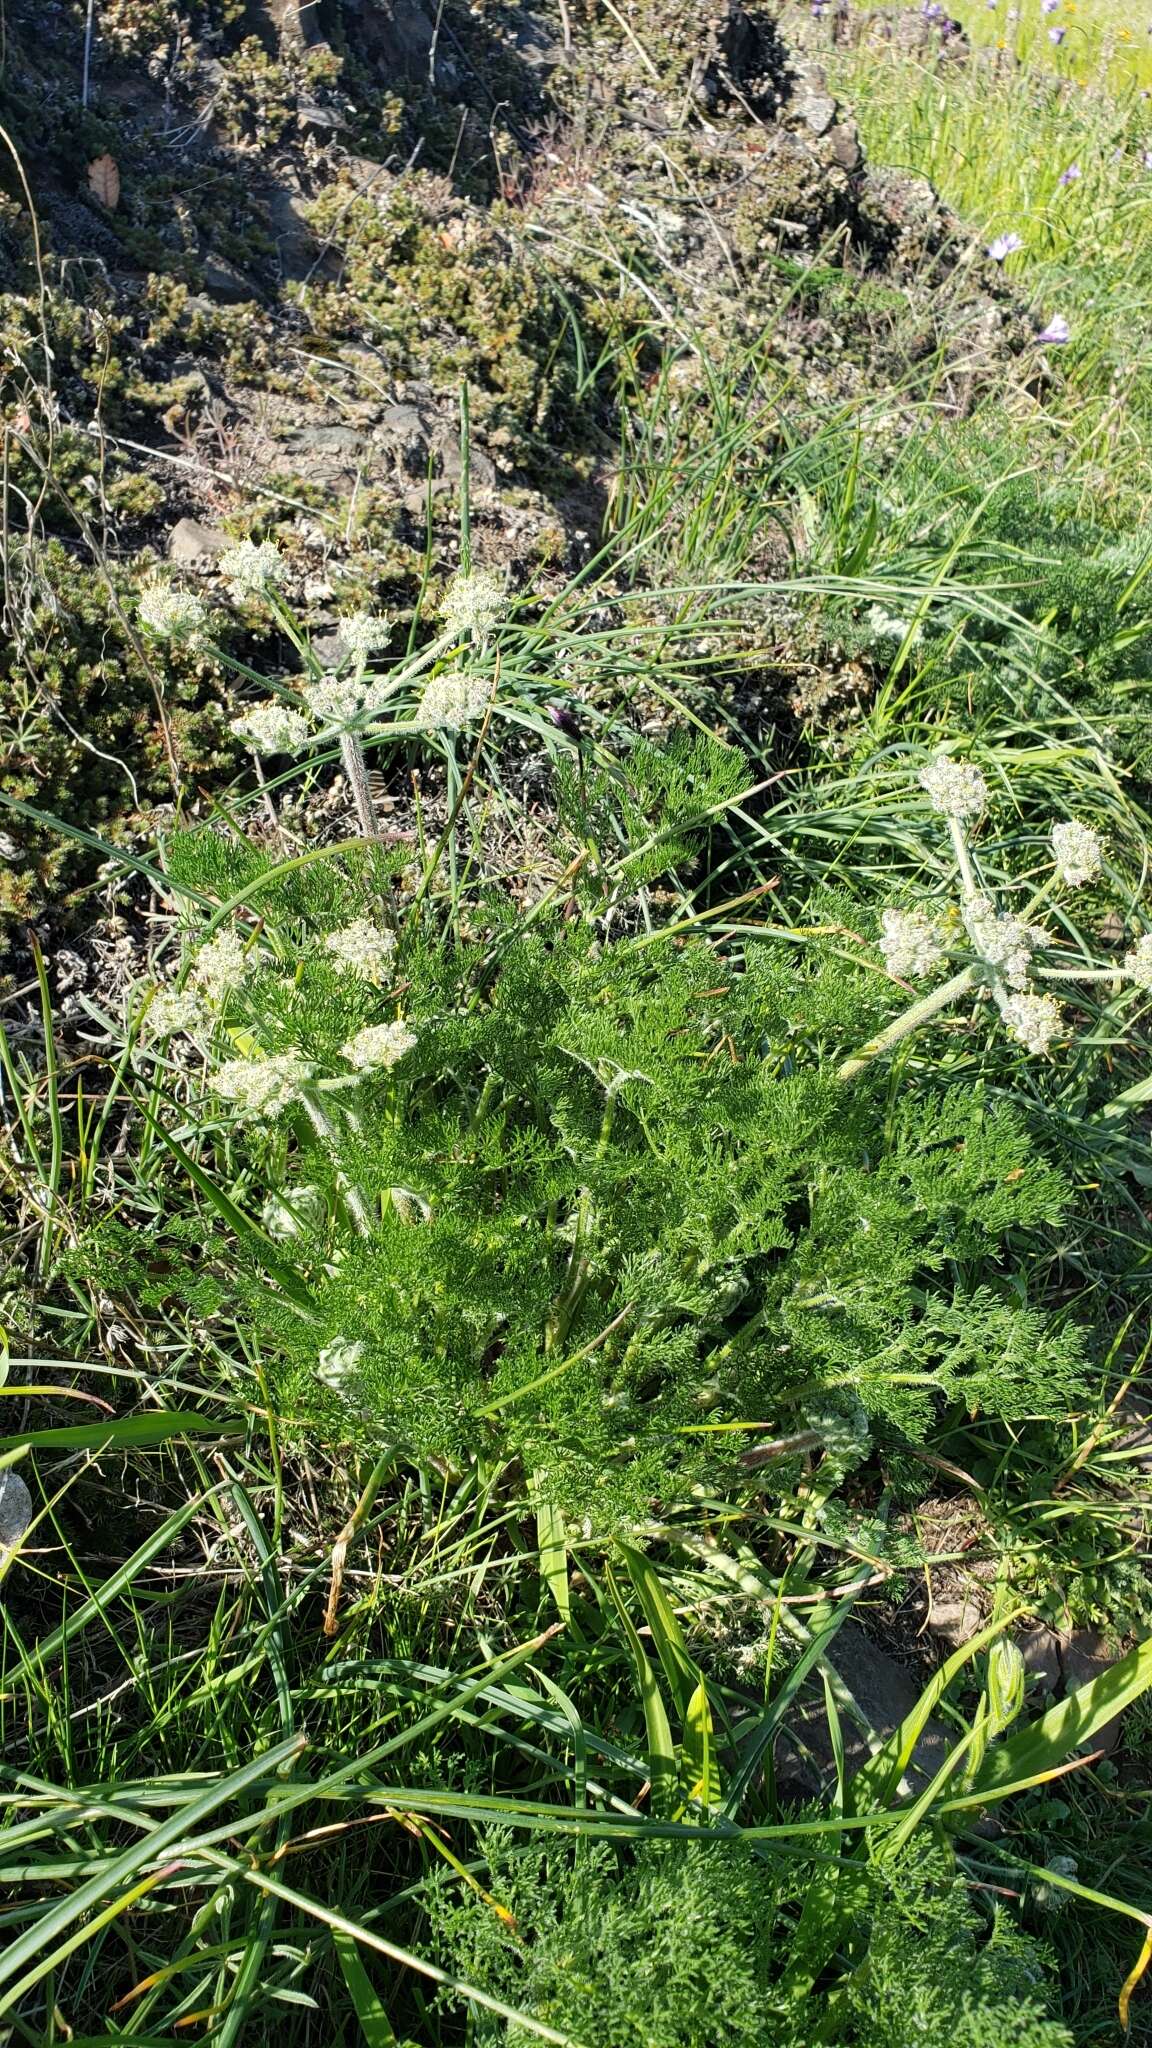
(355, 768)
(920, 1013)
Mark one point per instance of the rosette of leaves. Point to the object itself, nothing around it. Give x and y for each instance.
(614, 1217)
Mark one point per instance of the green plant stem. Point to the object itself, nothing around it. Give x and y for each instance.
(920, 1013)
(352, 758)
(354, 1196)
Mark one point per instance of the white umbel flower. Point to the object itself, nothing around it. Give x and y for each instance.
(955, 788)
(261, 1088)
(911, 943)
(474, 603)
(451, 702)
(271, 729)
(362, 948)
(170, 613)
(1034, 1021)
(334, 700)
(379, 1045)
(882, 626)
(1138, 963)
(172, 1010)
(252, 566)
(219, 966)
(362, 634)
(1077, 852)
(339, 1363)
(1002, 942)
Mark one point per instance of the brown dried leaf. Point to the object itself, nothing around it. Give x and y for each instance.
(104, 181)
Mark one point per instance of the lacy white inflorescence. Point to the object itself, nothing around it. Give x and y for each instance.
(1138, 963)
(955, 788)
(362, 635)
(474, 603)
(252, 565)
(1002, 941)
(452, 701)
(911, 943)
(173, 1009)
(379, 1045)
(271, 729)
(170, 613)
(362, 948)
(265, 1086)
(220, 965)
(1033, 1020)
(1077, 852)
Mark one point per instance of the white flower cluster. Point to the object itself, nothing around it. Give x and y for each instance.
(362, 948)
(252, 566)
(955, 788)
(1034, 1021)
(1077, 852)
(1138, 963)
(911, 942)
(339, 1363)
(882, 626)
(271, 729)
(170, 613)
(362, 634)
(337, 700)
(451, 702)
(172, 1010)
(474, 603)
(263, 1087)
(219, 966)
(379, 1045)
(1002, 942)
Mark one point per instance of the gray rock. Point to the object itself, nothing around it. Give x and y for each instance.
(884, 1694)
(15, 1508)
(1084, 1656)
(192, 545)
(844, 144)
(223, 281)
(817, 112)
(955, 1618)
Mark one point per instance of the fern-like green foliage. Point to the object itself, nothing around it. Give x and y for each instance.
(611, 1216)
(686, 1946)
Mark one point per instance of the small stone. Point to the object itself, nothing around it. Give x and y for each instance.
(955, 1618)
(223, 281)
(192, 545)
(845, 147)
(15, 1509)
(817, 113)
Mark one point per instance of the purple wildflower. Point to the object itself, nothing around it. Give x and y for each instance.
(1057, 35)
(1069, 176)
(1049, 6)
(1148, 159)
(1004, 245)
(1056, 331)
(564, 720)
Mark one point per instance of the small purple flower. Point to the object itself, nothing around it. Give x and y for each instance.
(1057, 35)
(1056, 332)
(1069, 176)
(1148, 159)
(564, 720)
(1049, 6)
(1004, 245)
